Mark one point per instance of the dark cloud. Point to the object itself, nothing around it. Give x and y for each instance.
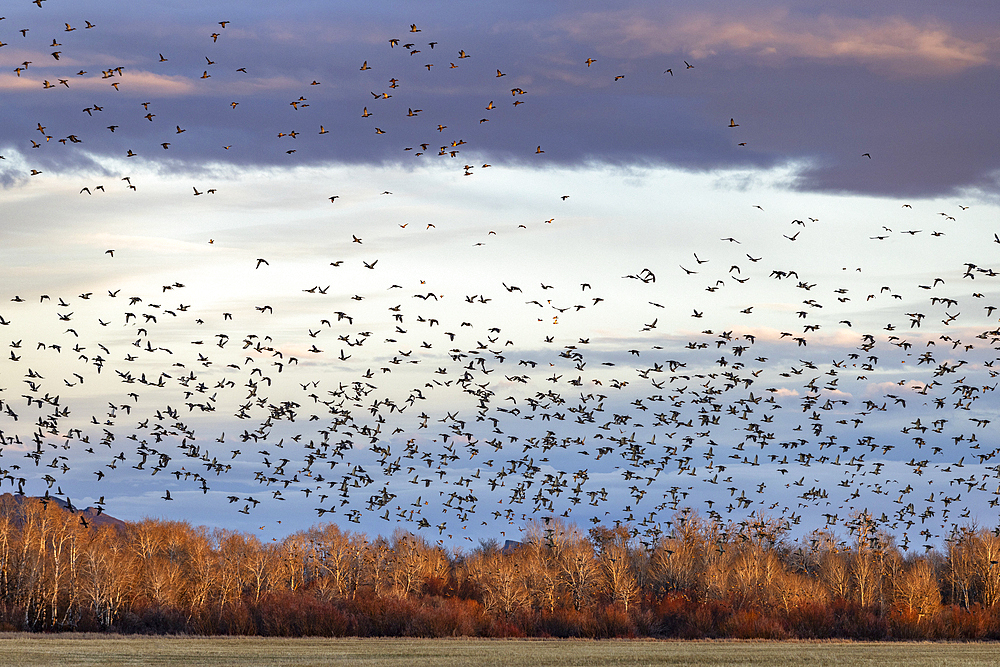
(926, 135)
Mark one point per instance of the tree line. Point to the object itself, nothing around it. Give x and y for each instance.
(704, 579)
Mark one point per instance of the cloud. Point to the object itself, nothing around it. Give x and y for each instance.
(813, 123)
(137, 81)
(889, 43)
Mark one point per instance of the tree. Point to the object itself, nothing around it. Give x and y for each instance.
(619, 576)
(678, 561)
(962, 570)
(409, 563)
(867, 559)
(832, 559)
(107, 573)
(986, 549)
(542, 575)
(917, 590)
(502, 581)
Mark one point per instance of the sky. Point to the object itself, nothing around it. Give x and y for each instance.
(461, 266)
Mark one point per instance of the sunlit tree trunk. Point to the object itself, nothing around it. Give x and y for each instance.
(580, 572)
(7, 539)
(202, 570)
(257, 562)
(917, 591)
(987, 558)
(718, 569)
(379, 559)
(502, 582)
(230, 549)
(333, 558)
(866, 575)
(544, 579)
(408, 564)
(619, 577)
(834, 571)
(107, 573)
(961, 566)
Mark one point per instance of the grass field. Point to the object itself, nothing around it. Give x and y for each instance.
(25, 649)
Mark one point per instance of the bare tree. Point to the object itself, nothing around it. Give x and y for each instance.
(202, 570)
(987, 564)
(334, 557)
(502, 580)
(961, 560)
(619, 576)
(680, 560)
(107, 572)
(866, 561)
(832, 559)
(409, 563)
(542, 574)
(917, 590)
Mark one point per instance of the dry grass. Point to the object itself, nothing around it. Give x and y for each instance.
(110, 651)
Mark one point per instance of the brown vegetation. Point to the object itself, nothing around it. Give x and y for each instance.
(703, 580)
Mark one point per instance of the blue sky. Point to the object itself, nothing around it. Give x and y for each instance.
(850, 154)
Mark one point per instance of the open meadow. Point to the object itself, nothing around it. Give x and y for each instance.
(732, 272)
(25, 649)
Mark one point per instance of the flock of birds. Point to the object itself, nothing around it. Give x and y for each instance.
(432, 416)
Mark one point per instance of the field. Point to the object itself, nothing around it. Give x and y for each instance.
(24, 649)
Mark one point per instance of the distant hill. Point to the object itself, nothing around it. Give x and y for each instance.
(91, 514)
(510, 546)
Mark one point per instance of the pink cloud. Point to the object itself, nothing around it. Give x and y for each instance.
(890, 43)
